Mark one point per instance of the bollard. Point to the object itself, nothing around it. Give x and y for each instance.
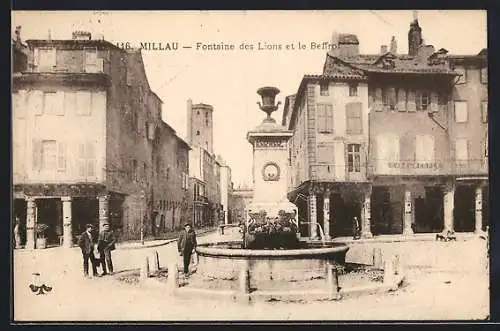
(244, 288)
(333, 282)
(145, 269)
(400, 266)
(397, 263)
(245, 280)
(155, 263)
(377, 258)
(388, 272)
(173, 277)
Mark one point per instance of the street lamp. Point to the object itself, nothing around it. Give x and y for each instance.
(143, 197)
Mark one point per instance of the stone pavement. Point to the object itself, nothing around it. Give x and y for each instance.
(432, 293)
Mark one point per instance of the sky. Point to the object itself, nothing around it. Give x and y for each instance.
(228, 79)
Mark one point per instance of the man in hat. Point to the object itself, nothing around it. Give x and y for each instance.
(186, 245)
(105, 245)
(87, 242)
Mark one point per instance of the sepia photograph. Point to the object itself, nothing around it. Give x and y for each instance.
(320, 165)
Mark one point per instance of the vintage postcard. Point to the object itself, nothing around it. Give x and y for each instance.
(250, 165)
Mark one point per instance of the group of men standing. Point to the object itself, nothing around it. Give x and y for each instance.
(97, 248)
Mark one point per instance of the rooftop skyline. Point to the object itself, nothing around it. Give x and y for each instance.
(228, 79)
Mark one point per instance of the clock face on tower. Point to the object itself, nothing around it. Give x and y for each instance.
(271, 172)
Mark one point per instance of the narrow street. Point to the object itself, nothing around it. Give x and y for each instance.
(430, 293)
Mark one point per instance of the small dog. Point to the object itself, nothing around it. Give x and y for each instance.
(446, 236)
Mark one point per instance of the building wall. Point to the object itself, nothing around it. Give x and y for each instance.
(32, 125)
(474, 92)
(170, 187)
(336, 142)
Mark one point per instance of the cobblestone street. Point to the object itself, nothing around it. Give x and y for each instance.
(432, 292)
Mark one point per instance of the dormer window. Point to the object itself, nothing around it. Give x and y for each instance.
(46, 59)
(422, 100)
(323, 89)
(353, 89)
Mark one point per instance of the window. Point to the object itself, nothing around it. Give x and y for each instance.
(484, 111)
(353, 90)
(69, 102)
(325, 118)
(424, 148)
(46, 59)
(198, 132)
(49, 155)
(323, 88)
(354, 123)
(49, 103)
(388, 148)
(462, 78)
(461, 115)
(91, 61)
(443, 101)
(168, 173)
(206, 119)
(385, 98)
(461, 149)
(86, 159)
(325, 154)
(83, 103)
(354, 158)
(61, 158)
(484, 75)
(422, 100)
(391, 98)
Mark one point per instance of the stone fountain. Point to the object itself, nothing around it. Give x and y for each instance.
(271, 248)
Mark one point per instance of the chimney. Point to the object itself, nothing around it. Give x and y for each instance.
(414, 36)
(348, 45)
(394, 46)
(18, 33)
(81, 35)
(383, 49)
(334, 51)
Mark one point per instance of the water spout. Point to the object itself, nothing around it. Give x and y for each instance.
(321, 232)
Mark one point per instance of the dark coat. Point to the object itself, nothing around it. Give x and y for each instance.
(106, 241)
(187, 241)
(86, 244)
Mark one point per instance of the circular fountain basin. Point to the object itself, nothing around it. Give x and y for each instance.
(226, 260)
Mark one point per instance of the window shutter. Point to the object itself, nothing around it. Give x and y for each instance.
(81, 160)
(69, 101)
(329, 117)
(61, 160)
(397, 148)
(90, 158)
(98, 102)
(37, 102)
(411, 101)
(36, 56)
(378, 99)
(353, 118)
(320, 116)
(59, 103)
(484, 111)
(401, 99)
(37, 155)
(434, 102)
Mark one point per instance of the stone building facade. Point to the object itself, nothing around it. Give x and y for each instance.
(397, 140)
(239, 200)
(85, 134)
